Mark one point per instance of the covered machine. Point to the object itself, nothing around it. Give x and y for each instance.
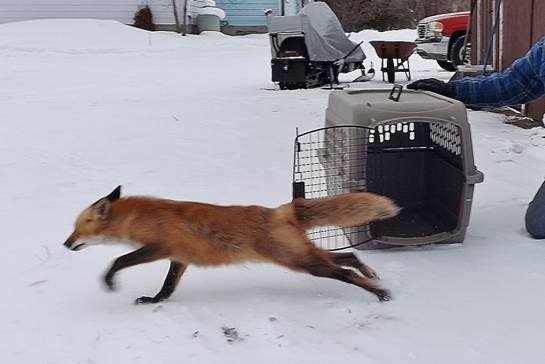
(311, 48)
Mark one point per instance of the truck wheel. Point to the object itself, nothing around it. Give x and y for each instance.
(447, 66)
(457, 50)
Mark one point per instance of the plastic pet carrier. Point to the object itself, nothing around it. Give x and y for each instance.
(414, 147)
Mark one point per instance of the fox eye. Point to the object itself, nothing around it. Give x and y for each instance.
(88, 220)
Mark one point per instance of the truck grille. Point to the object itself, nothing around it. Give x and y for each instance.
(421, 30)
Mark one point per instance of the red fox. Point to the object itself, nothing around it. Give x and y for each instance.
(209, 235)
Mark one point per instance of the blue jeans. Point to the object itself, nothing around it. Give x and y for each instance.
(535, 215)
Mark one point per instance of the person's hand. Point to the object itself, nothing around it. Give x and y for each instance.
(433, 85)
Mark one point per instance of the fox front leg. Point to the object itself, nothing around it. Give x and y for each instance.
(174, 274)
(145, 254)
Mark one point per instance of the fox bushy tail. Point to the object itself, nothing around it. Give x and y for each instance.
(347, 210)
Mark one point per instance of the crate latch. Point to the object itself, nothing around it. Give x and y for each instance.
(298, 190)
(395, 94)
(475, 178)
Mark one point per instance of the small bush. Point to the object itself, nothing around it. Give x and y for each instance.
(143, 19)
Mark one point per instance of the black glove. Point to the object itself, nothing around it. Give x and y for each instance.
(434, 85)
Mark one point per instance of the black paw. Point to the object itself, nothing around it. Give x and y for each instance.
(383, 295)
(146, 300)
(109, 282)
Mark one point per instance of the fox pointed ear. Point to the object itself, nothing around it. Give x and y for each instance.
(115, 194)
(101, 208)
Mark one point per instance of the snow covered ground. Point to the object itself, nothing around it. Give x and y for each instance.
(87, 105)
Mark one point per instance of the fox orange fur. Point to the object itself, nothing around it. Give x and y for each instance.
(208, 235)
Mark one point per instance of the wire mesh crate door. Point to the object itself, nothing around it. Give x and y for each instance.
(332, 161)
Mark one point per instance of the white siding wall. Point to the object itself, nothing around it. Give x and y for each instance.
(293, 7)
(121, 10)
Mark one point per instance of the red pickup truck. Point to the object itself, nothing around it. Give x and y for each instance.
(442, 37)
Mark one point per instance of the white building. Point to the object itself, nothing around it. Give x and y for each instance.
(242, 15)
(120, 10)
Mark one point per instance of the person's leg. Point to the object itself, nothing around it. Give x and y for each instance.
(535, 215)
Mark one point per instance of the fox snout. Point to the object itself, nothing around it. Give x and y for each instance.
(70, 243)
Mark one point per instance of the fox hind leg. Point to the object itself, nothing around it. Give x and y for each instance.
(319, 266)
(310, 259)
(351, 260)
(172, 279)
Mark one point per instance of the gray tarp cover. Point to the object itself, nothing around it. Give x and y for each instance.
(324, 36)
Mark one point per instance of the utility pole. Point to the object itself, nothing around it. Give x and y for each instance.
(176, 18)
(185, 18)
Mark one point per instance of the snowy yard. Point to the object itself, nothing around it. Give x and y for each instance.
(88, 105)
